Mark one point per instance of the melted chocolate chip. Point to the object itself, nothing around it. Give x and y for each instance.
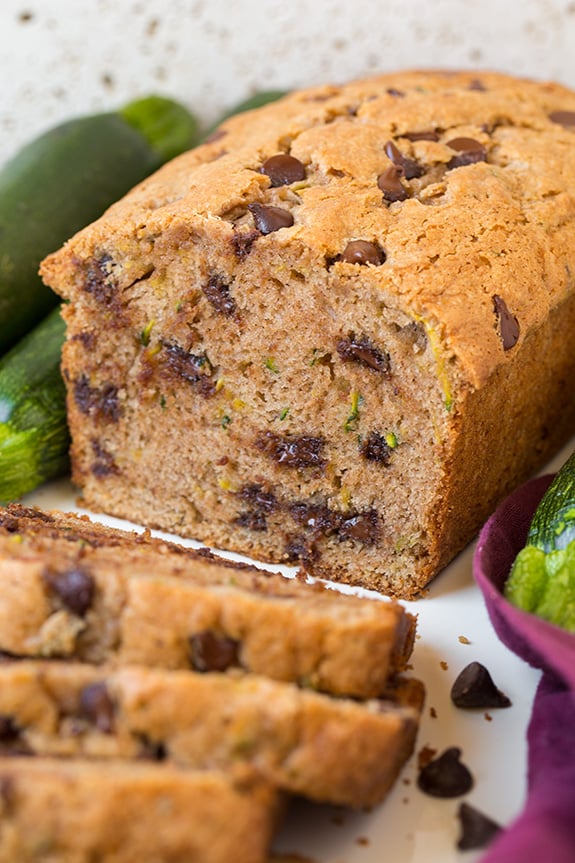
(99, 402)
(75, 588)
(363, 252)
(97, 706)
(252, 520)
(104, 464)
(411, 169)
(258, 498)
(477, 830)
(563, 118)
(376, 448)
(298, 451)
(210, 651)
(283, 169)
(9, 731)
(242, 242)
(217, 291)
(363, 351)
(97, 281)
(469, 151)
(269, 219)
(474, 688)
(508, 325)
(193, 368)
(390, 184)
(362, 527)
(445, 776)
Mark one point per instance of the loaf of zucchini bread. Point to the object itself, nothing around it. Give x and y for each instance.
(338, 332)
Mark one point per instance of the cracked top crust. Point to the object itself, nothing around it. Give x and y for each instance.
(462, 183)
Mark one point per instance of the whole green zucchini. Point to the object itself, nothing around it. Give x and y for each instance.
(34, 435)
(66, 178)
(542, 579)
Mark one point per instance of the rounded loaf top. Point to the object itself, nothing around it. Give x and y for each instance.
(452, 191)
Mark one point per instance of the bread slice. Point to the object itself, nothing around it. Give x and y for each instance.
(77, 811)
(327, 749)
(72, 588)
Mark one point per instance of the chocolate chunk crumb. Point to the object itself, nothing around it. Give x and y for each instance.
(217, 292)
(445, 776)
(297, 451)
(210, 651)
(469, 151)
(363, 252)
(361, 350)
(477, 830)
(507, 323)
(411, 169)
(97, 706)
(268, 219)
(75, 588)
(390, 184)
(283, 169)
(474, 688)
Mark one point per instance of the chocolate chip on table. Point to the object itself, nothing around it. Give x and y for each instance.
(563, 118)
(362, 252)
(508, 324)
(446, 776)
(97, 706)
(474, 688)
(74, 588)
(468, 150)
(212, 651)
(268, 219)
(477, 830)
(390, 184)
(411, 169)
(283, 169)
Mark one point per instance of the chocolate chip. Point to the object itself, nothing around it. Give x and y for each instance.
(297, 451)
(193, 368)
(411, 169)
(390, 184)
(445, 776)
(217, 292)
(9, 731)
(100, 402)
(252, 520)
(75, 588)
(283, 169)
(362, 526)
(477, 830)
(478, 85)
(104, 464)
(152, 750)
(363, 351)
(398, 94)
(474, 688)
(563, 118)
(376, 448)
(97, 281)
(97, 706)
(363, 252)
(469, 151)
(508, 324)
(269, 219)
(258, 498)
(421, 136)
(242, 242)
(211, 651)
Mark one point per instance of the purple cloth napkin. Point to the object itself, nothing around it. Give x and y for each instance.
(545, 831)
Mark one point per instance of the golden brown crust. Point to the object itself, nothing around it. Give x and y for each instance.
(352, 386)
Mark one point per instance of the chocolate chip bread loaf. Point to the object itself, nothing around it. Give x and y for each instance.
(333, 750)
(56, 810)
(72, 588)
(338, 332)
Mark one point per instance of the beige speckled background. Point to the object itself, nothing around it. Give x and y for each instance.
(64, 57)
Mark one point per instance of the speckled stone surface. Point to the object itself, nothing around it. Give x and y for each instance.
(70, 56)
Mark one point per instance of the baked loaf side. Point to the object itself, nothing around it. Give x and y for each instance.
(72, 588)
(327, 749)
(337, 333)
(131, 811)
